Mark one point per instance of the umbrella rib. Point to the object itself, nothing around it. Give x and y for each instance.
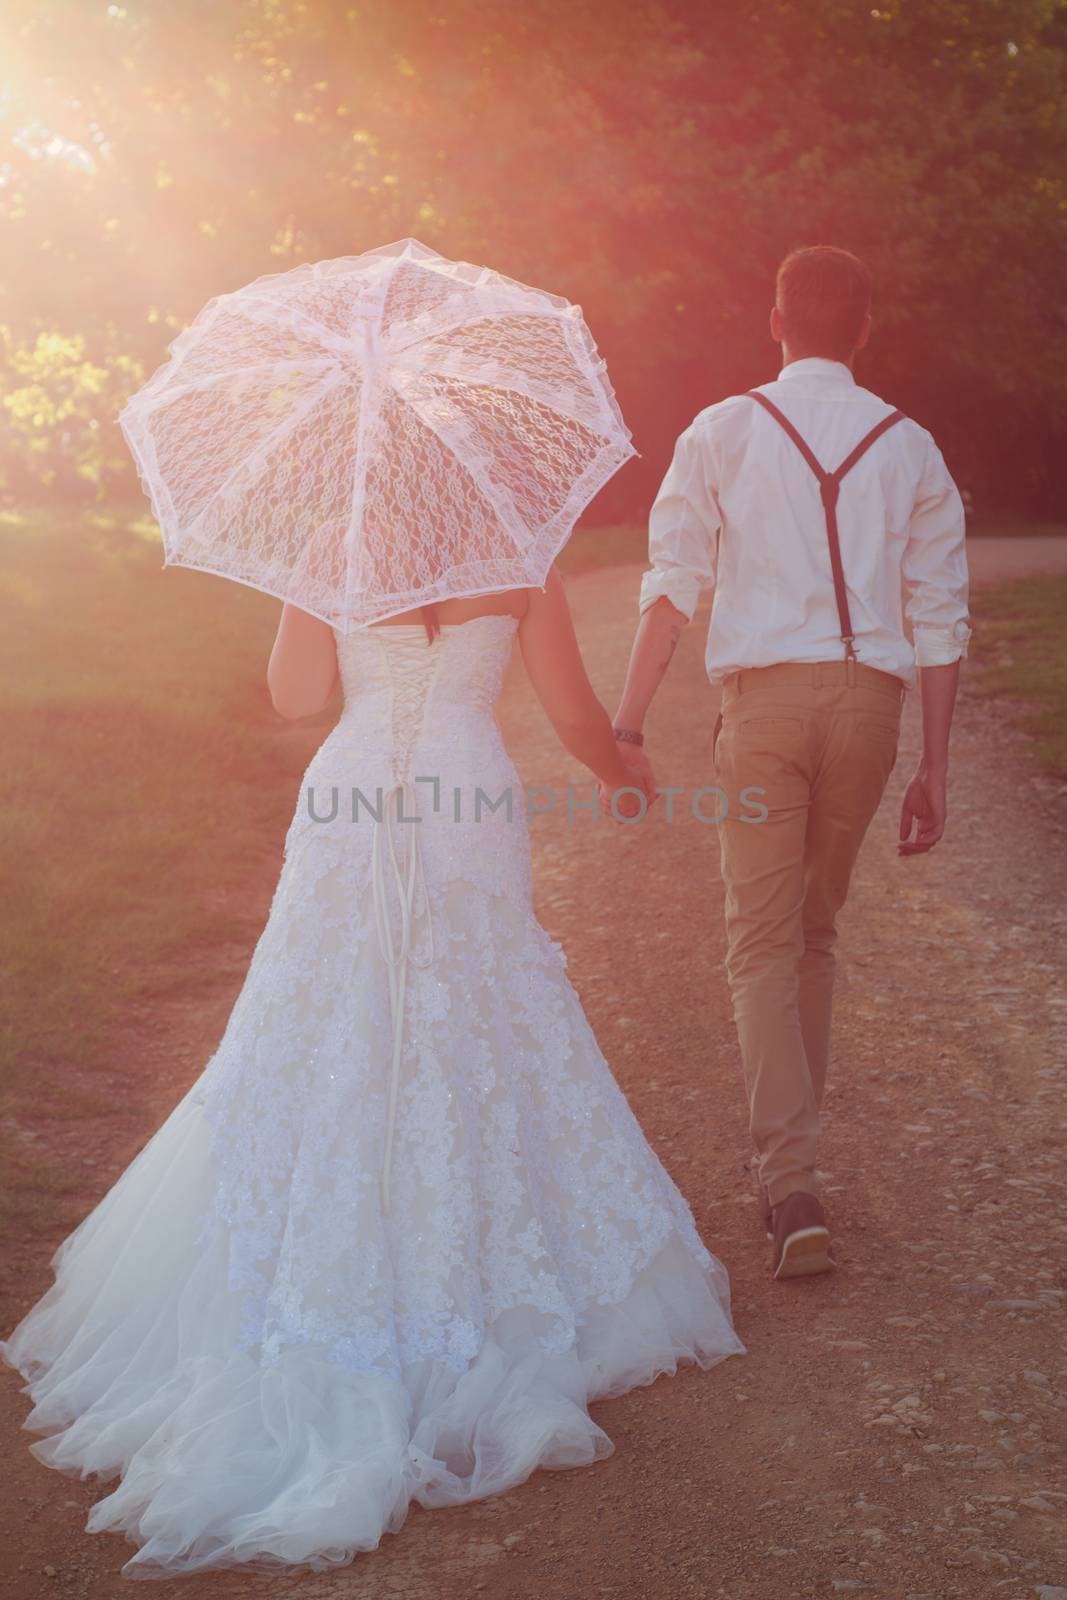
(517, 382)
(279, 311)
(198, 385)
(286, 425)
(370, 396)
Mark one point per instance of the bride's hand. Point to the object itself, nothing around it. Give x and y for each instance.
(640, 777)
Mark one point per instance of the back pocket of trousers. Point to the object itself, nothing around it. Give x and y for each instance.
(883, 736)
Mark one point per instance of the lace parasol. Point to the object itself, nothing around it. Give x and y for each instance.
(363, 435)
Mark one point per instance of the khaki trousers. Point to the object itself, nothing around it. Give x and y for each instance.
(819, 741)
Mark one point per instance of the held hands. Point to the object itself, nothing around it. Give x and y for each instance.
(639, 775)
(924, 809)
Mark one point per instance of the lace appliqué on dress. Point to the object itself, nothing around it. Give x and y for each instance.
(520, 1177)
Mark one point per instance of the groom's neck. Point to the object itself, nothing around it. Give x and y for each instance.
(789, 355)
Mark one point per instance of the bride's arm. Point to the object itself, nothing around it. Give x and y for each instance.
(557, 672)
(302, 670)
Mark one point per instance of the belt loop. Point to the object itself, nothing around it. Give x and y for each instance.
(816, 676)
(850, 671)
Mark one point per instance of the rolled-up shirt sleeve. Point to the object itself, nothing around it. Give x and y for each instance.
(934, 567)
(683, 527)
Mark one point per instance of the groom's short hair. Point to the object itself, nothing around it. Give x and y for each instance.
(823, 295)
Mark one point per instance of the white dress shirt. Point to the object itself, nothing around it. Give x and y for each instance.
(739, 512)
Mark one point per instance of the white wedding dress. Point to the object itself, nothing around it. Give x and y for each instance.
(405, 1226)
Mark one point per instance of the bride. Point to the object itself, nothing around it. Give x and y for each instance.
(404, 1228)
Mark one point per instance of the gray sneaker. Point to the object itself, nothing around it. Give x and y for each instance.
(801, 1237)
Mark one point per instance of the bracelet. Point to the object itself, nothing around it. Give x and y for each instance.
(628, 735)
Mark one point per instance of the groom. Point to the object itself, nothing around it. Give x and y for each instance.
(807, 506)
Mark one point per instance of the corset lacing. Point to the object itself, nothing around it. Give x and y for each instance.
(412, 669)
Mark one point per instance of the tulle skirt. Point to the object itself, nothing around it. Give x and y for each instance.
(274, 1367)
(225, 1460)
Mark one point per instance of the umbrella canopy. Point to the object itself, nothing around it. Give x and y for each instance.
(363, 435)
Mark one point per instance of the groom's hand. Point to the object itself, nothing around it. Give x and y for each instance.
(923, 811)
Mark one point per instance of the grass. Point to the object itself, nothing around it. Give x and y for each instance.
(1020, 647)
(146, 778)
(1013, 528)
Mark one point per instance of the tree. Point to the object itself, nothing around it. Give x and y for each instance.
(652, 161)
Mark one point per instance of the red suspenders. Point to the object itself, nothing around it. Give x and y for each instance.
(829, 487)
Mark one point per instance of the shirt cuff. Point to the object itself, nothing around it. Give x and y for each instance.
(682, 589)
(937, 646)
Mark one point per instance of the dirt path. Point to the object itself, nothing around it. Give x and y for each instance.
(898, 1429)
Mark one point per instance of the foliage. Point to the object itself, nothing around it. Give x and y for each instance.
(53, 403)
(652, 161)
(147, 784)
